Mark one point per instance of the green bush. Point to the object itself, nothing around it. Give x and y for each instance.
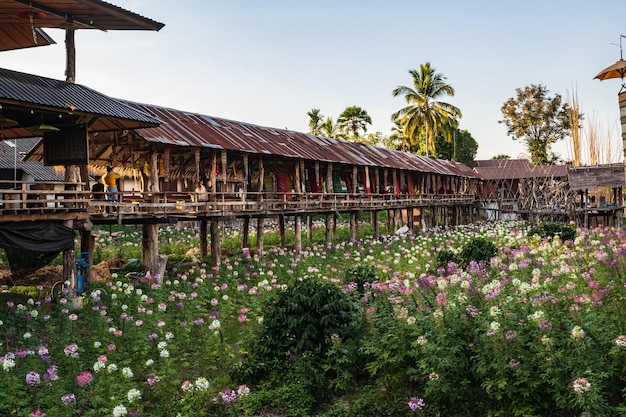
(361, 275)
(549, 230)
(478, 249)
(301, 321)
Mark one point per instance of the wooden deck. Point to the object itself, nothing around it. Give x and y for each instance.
(135, 207)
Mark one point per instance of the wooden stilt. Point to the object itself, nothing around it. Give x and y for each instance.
(353, 225)
(150, 245)
(215, 242)
(87, 244)
(245, 232)
(297, 240)
(69, 270)
(375, 225)
(281, 229)
(259, 235)
(309, 230)
(329, 240)
(204, 250)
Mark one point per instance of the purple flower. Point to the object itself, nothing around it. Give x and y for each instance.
(37, 413)
(229, 396)
(68, 399)
(33, 378)
(514, 363)
(83, 378)
(152, 379)
(416, 403)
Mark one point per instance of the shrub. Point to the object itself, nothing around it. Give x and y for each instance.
(478, 249)
(361, 275)
(549, 230)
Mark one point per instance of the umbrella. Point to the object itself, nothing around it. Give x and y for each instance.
(617, 70)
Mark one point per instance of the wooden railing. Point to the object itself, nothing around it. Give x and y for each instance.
(23, 201)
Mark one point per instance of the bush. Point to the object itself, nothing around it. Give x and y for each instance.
(478, 249)
(549, 230)
(361, 275)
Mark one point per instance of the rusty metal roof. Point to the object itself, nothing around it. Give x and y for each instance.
(182, 128)
(507, 169)
(13, 36)
(30, 99)
(78, 14)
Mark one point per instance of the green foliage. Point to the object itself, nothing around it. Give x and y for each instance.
(462, 148)
(478, 249)
(361, 275)
(537, 119)
(549, 230)
(301, 320)
(444, 257)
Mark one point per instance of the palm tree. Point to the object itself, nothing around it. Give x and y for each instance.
(352, 120)
(423, 111)
(330, 129)
(316, 119)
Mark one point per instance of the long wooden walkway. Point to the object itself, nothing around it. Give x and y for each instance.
(135, 207)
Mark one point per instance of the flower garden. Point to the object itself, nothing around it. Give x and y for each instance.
(412, 325)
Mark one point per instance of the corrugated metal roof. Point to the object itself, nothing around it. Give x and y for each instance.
(507, 169)
(191, 129)
(40, 172)
(83, 14)
(21, 93)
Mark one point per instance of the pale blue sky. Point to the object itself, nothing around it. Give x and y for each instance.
(269, 62)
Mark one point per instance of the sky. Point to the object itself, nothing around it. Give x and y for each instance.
(270, 62)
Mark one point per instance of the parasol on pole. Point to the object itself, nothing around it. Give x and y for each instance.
(617, 70)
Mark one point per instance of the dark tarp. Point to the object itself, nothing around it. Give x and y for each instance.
(32, 245)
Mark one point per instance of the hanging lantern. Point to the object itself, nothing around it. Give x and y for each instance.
(31, 16)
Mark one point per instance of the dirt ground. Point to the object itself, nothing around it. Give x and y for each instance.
(50, 275)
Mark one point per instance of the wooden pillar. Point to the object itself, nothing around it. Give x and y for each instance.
(204, 243)
(297, 181)
(261, 177)
(297, 240)
(366, 187)
(355, 176)
(329, 178)
(259, 235)
(223, 172)
(69, 270)
(196, 160)
(70, 51)
(375, 225)
(354, 220)
(215, 242)
(394, 179)
(329, 240)
(309, 230)
(213, 174)
(245, 232)
(150, 232)
(388, 219)
(281, 229)
(376, 189)
(87, 244)
(317, 176)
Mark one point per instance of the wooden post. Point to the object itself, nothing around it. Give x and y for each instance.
(259, 235)
(366, 187)
(376, 189)
(329, 240)
(213, 175)
(69, 270)
(329, 178)
(355, 176)
(281, 229)
(309, 230)
(87, 244)
(70, 51)
(297, 240)
(317, 176)
(354, 220)
(223, 172)
(261, 177)
(204, 250)
(245, 232)
(150, 232)
(375, 226)
(215, 242)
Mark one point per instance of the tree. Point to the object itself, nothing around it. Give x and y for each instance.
(352, 120)
(316, 120)
(501, 157)
(537, 119)
(462, 149)
(424, 111)
(330, 129)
